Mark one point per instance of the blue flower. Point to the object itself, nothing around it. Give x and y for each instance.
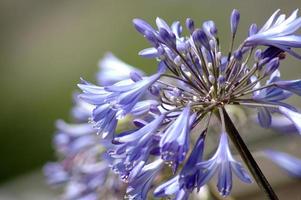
(172, 188)
(273, 93)
(283, 125)
(190, 174)
(105, 120)
(210, 28)
(78, 191)
(113, 102)
(84, 167)
(234, 20)
(55, 173)
(294, 116)
(127, 95)
(183, 184)
(143, 107)
(290, 85)
(81, 110)
(93, 94)
(71, 138)
(194, 80)
(223, 163)
(113, 70)
(174, 143)
(287, 162)
(279, 32)
(139, 187)
(169, 35)
(134, 147)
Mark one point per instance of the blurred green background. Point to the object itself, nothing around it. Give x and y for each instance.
(46, 45)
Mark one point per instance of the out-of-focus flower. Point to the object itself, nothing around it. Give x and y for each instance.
(113, 70)
(83, 167)
(287, 162)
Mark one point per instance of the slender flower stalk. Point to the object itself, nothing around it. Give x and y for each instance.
(194, 84)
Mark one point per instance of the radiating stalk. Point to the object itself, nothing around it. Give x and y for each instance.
(248, 158)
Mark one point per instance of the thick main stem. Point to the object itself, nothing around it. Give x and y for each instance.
(248, 158)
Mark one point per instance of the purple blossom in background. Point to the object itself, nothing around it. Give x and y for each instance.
(194, 87)
(83, 168)
(112, 70)
(287, 162)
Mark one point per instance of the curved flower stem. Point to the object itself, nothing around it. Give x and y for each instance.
(248, 158)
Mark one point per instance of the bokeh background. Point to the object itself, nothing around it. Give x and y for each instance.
(46, 45)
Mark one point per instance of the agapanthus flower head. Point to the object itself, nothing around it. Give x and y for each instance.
(193, 88)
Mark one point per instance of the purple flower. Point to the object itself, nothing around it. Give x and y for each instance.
(200, 39)
(223, 163)
(139, 187)
(183, 184)
(271, 94)
(143, 107)
(134, 148)
(113, 70)
(84, 167)
(283, 125)
(279, 32)
(190, 174)
(287, 162)
(142, 26)
(172, 188)
(113, 102)
(82, 110)
(291, 85)
(93, 94)
(105, 120)
(210, 28)
(55, 173)
(271, 66)
(170, 36)
(234, 21)
(149, 122)
(71, 138)
(190, 25)
(127, 95)
(174, 143)
(295, 117)
(264, 117)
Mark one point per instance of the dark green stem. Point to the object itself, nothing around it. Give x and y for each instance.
(248, 158)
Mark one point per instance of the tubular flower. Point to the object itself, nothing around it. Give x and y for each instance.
(223, 163)
(138, 188)
(174, 144)
(287, 162)
(183, 184)
(279, 32)
(113, 70)
(194, 88)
